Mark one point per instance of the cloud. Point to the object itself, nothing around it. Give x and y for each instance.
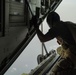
(26, 65)
(14, 69)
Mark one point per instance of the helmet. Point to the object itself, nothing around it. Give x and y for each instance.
(52, 18)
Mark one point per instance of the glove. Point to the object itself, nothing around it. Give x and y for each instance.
(34, 21)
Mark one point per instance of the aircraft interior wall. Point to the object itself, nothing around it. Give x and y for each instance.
(15, 25)
(15, 29)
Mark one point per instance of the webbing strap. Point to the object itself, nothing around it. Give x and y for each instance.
(64, 73)
(67, 71)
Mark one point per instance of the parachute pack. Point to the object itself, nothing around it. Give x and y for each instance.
(72, 28)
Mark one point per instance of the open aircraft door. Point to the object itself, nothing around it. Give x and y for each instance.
(15, 28)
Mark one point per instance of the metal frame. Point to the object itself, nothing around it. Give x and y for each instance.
(2, 32)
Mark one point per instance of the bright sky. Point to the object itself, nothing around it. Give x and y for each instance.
(67, 12)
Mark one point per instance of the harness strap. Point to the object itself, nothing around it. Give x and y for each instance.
(68, 69)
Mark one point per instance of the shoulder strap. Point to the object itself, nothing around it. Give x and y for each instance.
(63, 67)
(66, 63)
(67, 67)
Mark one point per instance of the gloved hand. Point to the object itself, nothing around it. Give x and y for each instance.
(33, 21)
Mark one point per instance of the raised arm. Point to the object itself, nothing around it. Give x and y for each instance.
(43, 37)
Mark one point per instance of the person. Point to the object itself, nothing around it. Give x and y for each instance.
(66, 65)
(60, 30)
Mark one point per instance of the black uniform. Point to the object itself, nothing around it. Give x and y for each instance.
(63, 31)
